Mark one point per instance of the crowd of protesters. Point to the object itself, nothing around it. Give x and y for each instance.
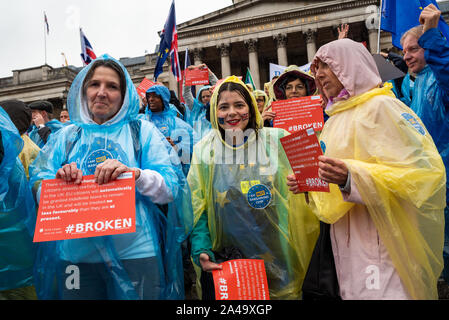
(379, 233)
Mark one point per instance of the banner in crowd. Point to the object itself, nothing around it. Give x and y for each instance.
(144, 86)
(276, 70)
(69, 211)
(241, 279)
(303, 149)
(197, 76)
(298, 113)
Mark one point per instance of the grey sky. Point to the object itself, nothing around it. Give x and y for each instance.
(121, 28)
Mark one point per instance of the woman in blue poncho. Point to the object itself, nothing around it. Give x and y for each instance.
(105, 139)
(17, 217)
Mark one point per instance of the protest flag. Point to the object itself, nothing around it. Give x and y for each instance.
(169, 46)
(398, 16)
(249, 78)
(87, 53)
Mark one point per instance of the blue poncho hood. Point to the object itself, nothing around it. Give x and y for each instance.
(77, 104)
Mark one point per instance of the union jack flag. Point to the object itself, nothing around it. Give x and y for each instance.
(169, 46)
(87, 53)
(46, 23)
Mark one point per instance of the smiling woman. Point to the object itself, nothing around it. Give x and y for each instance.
(241, 205)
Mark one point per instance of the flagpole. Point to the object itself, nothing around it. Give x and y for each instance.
(378, 32)
(45, 40)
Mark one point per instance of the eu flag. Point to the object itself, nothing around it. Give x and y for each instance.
(168, 45)
(398, 16)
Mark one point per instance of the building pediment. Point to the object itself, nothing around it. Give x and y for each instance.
(247, 12)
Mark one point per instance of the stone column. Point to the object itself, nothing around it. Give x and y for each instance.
(253, 61)
(372, 36)
(311, 45)
(197, 56)
(225, 50)
(281, 46)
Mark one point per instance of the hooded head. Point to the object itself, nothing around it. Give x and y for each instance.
(199, 95)
(293, 74)
(163, 93)
(350, 62)
(251, 117)
(261, 95)
(19, 113)
(102, 94)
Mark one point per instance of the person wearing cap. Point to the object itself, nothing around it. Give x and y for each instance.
(387, 182)
(20, 115)
(42, 127)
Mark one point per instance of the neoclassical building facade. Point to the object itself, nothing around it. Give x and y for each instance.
(248, 33)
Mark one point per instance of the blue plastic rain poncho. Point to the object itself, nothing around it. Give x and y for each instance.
(170, 125)
(430, 101)
(17, 212)
(142, 265)
(54, 126)
(226, 182)
(196, 116)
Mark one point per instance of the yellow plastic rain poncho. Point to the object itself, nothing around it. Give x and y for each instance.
(394, 165)
(282, 231)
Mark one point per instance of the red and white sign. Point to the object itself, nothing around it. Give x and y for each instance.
(198, 76)
(303, 149)
(69, 211)
(298, 113)
(241, 279)
(144, 86)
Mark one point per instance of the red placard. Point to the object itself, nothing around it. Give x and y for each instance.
(241, 279)
(298, 113)
(197, 76)
(144, 86)
(69, 211)
(303, 149)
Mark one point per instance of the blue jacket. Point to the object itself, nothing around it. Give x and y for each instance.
(430, 94)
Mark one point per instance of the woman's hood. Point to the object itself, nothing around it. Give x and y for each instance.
(279, 84)
(214, 102)
(77, 102)
(163, 92)
(351, 63)
(198, 95)
(261, 93)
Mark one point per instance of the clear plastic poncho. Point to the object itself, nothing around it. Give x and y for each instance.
(224, 180)
(160, 228)
(400, 176)
(17, 212)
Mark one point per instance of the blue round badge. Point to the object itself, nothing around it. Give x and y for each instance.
(259, 196)
(95, 158)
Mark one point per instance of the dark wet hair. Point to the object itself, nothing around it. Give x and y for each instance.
(232, 86)
(108, 64)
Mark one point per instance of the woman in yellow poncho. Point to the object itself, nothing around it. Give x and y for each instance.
(387, 218)
(230, 166)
